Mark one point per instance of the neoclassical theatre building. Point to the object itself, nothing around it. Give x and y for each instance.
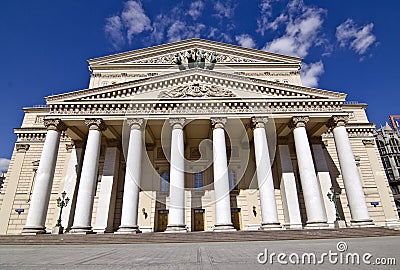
(195, 135)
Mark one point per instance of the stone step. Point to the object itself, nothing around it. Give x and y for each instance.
(194, 237)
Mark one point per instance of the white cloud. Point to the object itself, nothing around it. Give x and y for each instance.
(196, 9)
(302, 30)
(245, 40)
(132, 21)
(134, 18)
(310, 73)
(357, 38)
(225, 9)
(113, 30)
(180, 30)
(263, 22)
(4, 163)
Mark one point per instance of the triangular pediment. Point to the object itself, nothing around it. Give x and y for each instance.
(196, 84)
(168, 53)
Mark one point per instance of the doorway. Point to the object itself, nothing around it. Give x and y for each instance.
(162, 220)
(235, 214)
(198, 219)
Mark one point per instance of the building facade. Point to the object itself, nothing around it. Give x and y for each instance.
(388, 142)
(195, 135)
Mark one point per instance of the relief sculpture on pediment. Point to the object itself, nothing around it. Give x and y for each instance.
(196, 90)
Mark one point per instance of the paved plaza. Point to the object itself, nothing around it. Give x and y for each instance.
(237, 255)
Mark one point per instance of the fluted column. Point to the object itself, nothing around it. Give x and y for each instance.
(87, 185)
(130, 200)
(221, 180)
(176, 217)
(316, 216)
(350, 175)
(35, 222)
(269, 213)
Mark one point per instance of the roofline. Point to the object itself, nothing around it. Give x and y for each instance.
(182, 42)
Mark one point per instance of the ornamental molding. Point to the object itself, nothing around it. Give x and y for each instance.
(205, 107)
(195, 91)
(27, 135)
(258, 85)
(135, 123)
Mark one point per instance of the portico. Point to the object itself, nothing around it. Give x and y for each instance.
(153, 145)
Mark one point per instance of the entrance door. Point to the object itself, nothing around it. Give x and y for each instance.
(198, 220)
(162, 220)
(235, 214)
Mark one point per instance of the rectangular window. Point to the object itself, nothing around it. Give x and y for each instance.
(397, 159)
(395, 190)
(164, 182)
(389, 174)
(198, 180)
(232, 180)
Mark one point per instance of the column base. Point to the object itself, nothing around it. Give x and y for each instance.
(362, 223)
(270, 226)
(317, 225)
(340, 224)
(81, 230)
(293, 226)
(224, 228)
(33, 230)
(128, 230)
(173, 228)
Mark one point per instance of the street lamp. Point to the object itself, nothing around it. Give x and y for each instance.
(333, 197)
(61, 203)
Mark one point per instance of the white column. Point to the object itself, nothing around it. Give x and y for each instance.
(36, 219)
(290, 199)
(325, 182)
(87, 184)
(351, 177)
(269, 212)
(221, 180)
(70, 182)
(108, 189)
(176, 217)
(130, 200)
(315, 209)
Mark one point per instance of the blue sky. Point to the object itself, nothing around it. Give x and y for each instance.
(347, 46)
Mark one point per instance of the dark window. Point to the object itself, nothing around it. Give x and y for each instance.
(164, 181)
(395, 189)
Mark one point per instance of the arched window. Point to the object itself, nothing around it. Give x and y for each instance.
(164, 185)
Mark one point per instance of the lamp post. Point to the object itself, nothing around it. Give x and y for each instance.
(333, 197)
(61, 203)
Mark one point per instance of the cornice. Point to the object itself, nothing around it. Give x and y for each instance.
(190, 43)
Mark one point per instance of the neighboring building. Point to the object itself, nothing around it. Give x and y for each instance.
(388, 141)
(2, 179)
(133, 151)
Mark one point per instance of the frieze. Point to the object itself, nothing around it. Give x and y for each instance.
(171, 58)
(195, 108)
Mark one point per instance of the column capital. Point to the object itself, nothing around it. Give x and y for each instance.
(22, 148)
(338, 121)
(298, 121)
(259, 122)
(218, 122)
(95, 124)
(177, 123)
(54, 124)
(135, 123)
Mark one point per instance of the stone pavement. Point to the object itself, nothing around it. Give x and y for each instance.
(228, 255)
